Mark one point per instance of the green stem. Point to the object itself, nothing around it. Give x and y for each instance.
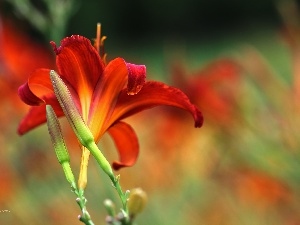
(123, 196)
(81, 200)
(106, 167)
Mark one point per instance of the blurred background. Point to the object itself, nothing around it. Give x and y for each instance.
(238, 61)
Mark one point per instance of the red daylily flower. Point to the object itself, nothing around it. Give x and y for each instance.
(100, 94)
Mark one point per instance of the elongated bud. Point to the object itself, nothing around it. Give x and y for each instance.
(56, 135)
(64, 97)
(136, 202)
(59, 145)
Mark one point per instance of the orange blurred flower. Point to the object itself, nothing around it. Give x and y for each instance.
(214, 89)
(260, 189)
(18, 56)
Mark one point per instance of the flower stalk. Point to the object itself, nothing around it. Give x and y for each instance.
(81, 201)
(63, 157)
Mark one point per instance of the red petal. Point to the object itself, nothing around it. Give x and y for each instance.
(79, 63)
(37, 116)
(154, 94)
(27, 96)
(127, 144)
(136, 78)
(37, 87)
(105, 95)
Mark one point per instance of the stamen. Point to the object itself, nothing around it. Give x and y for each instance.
(98, 38)
(99, 43)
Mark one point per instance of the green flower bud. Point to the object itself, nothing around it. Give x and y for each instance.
(136, 202)
(64, 97)
(110, 207)
(59, 145)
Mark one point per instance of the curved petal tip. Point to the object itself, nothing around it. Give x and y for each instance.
(136, 78)
(127, 144)
(198, 117)
(118, 165)
(27, 96)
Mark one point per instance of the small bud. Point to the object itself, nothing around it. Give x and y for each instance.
(127, 194)
(136, 202)
(59, 145)
(66, 102)
(110, 207)
(109, 220)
